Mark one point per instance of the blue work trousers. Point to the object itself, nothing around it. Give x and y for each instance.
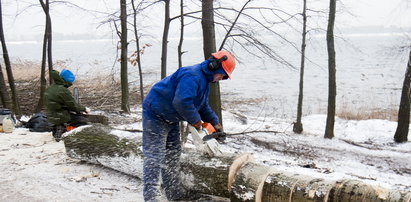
(162, 149)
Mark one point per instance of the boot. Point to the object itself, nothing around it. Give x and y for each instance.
(58, 132)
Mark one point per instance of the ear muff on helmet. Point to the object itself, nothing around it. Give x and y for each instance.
(227, 61)
(216, 62)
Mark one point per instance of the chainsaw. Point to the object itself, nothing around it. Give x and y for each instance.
(204, 139)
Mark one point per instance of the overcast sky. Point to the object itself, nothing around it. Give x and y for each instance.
(31, 22)
(380, 12)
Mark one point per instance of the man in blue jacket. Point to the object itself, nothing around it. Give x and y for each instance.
(182, 96)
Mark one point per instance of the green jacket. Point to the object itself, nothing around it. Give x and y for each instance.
(59, 101)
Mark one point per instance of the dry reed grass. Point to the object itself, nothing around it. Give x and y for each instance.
(363, 114)
(24, 70)
(96, 94)
(99, 93)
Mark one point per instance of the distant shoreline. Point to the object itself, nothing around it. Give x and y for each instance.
(346, 31)
(354, 34)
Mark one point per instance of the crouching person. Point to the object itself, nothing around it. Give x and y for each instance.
(62, 110)
(182, 96)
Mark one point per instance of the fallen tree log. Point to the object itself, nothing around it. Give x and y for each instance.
(102, 145)
(230, 175)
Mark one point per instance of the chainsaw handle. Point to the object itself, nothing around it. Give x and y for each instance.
(214, 135)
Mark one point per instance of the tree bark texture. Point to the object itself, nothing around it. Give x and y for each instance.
(209, 46)
(207, 23)
(49, 41)
(48, 37)
(183, 128)
(123, 58)
(332, 86)
(180, 43)
(229, 175)
(298, 125)
(99, 144)
(10, 77)
(401, 134)
(43, 81)
(165, 38)
(4, 95)
(140, 73)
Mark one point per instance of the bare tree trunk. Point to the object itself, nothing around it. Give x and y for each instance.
(140, 73)
(4, 95)
(46, 9)
(180, 43)
(183, 128)
(43, 81)
(207, 23)
(209, 46)
(16, 106)
(49, 42)
(123, 58)
(401, 134)
(298, 126)
(332, 88)
(165, 39)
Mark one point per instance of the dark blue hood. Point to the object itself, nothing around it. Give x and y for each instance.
(207, 72)
(210, 74)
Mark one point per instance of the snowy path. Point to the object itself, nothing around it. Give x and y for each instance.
(35, 168)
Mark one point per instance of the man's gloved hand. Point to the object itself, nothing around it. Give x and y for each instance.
(197, 125)
(221, 138)
(219, 128)
(87, 110)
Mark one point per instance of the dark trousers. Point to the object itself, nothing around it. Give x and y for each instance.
(76, 120)
(57, 131)
(162, 149)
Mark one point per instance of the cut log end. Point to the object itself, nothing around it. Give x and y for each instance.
(239, 162)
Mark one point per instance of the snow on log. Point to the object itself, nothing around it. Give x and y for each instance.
(230, 175)
(103, 145)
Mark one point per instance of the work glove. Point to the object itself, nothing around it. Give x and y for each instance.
(219, 128)
(197, 125)
(87, 110)
(222, 136)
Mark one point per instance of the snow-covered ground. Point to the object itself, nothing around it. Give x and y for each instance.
(36, 168)
(363, 150)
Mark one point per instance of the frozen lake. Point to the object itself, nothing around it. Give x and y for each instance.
(369, 74)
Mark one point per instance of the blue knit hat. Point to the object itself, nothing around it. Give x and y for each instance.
(67, 75)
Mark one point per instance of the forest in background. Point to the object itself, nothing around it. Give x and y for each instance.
(243, 27)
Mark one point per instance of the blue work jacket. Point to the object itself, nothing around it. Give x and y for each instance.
(183, 96)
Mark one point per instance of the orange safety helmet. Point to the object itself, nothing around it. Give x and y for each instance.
(228, 64)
